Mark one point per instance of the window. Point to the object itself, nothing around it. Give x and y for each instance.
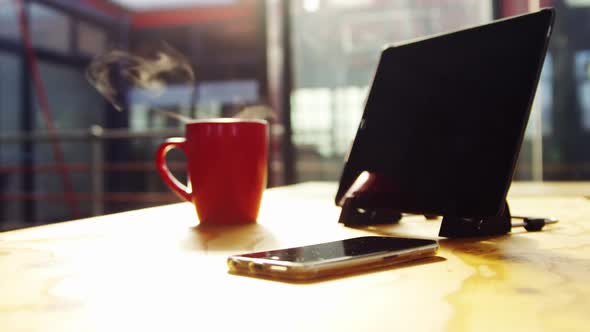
(563, 97)
(50, 29)
(91, 39)
(336, 47)
(74, 102)
(582, 74)
(74, 105)
(9, 21)
(10, 153)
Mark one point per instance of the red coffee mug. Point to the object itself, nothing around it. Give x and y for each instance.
(227, 168)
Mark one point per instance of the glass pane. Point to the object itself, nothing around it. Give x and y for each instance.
(557, 138)
(336, 46)
(10, 84)
(530, 163)
(74, 104)
(9, 20)
(91, 39)
(50, 29)
(10, 153)
(582, 64)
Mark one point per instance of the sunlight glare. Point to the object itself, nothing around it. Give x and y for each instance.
(311, 5)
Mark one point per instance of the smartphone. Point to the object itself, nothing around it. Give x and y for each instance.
(324, 259)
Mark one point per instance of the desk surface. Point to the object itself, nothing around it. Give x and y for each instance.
(153, 270)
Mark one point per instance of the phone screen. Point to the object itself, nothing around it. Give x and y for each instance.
(361, 246)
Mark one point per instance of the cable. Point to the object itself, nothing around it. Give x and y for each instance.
(44, 107)
(533, 224)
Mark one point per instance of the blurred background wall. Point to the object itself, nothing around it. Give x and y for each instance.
(311, 61)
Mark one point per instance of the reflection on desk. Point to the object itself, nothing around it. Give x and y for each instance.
(154, 269)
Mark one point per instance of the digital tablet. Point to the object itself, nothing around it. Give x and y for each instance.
(445, 118)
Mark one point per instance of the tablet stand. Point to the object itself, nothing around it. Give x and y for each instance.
(468, 227)
(351, 215)
(452, 227)
(365, 203)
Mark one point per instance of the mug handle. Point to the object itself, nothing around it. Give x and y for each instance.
(180, 189)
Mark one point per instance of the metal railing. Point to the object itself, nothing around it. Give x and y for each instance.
(95, 137)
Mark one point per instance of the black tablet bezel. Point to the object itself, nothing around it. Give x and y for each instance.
(355, 160)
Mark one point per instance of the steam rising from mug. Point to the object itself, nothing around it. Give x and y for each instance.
(114, 72)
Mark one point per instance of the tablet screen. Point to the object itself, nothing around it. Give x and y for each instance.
(445, 117)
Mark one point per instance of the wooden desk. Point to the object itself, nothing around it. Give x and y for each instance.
(152, 270)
